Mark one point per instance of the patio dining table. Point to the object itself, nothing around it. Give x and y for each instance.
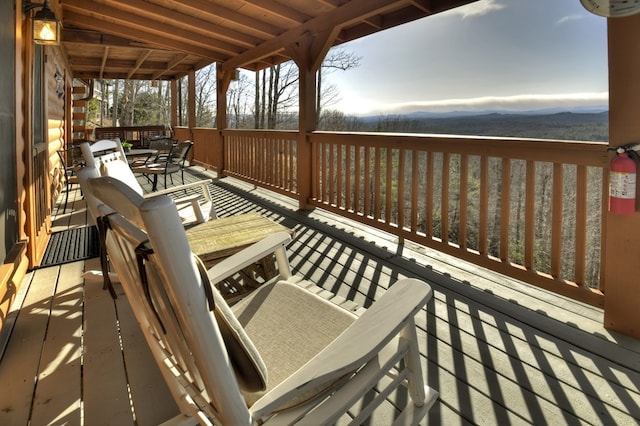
(137, 154)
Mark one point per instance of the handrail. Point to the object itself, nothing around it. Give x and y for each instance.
(528, 208)
(522, 212)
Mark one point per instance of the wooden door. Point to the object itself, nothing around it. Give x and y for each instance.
(37, 159)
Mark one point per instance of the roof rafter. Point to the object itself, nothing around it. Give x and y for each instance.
(155, 30)
(148, 38)
(205, 8)
(145, 54)
(280, 10)
(337, 18)
(202, 26)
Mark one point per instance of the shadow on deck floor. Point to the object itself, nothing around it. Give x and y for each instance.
(498, 351)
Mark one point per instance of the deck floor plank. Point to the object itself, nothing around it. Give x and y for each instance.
(106, 394)
(59, 392)
(151, 399)
(20, 363)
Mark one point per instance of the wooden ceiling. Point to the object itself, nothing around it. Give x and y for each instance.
(165, 39)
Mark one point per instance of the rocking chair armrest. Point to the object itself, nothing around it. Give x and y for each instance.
(190, 185)
(272, 244)
(359, 343)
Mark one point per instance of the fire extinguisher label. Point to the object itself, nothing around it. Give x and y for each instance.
(622, 185)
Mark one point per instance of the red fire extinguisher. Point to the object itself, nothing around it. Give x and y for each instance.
(622, 184)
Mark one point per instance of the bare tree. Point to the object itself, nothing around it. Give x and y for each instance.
(205, 96)
(238, 98)
(337, 59)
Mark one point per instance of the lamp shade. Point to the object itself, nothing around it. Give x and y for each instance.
(46, 27)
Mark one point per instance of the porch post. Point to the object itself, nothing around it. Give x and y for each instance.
(174, 104)
(622, 245)
(308, 54)
(223, 80)
(192, 101)
(307, 123)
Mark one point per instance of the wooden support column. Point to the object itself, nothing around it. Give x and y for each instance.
(191, 89)
(223, 80)
(308, 54)
(174, 104)
(622, 245)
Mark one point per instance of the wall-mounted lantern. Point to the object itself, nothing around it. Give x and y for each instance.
(46, 27)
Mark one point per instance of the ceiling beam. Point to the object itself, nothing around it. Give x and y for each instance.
(171, 65)
(280, 10)
(202, 26)
(139, 62)
(145, 37)
(344, 15)
(76, 35)
(425, 5)
(148, 28)
(220, 14)
(105, 55)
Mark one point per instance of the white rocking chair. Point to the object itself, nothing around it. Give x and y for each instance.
(282, 355)
(108, 159)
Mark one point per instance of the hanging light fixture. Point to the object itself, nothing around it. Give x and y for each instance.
(46, 27)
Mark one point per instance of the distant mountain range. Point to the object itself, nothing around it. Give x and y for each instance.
(449, 114)
(587, 124)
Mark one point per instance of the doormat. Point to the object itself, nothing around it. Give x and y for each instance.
(71, 245)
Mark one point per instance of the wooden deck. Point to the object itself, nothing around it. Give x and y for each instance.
(499, 352)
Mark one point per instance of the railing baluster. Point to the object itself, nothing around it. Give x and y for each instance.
(505, 208)
(556, 221)
(325, 182)
(339, 176)
(347, 183)
(367, 182)
(429, 198)
(401, 179)
(388, 197)
(315, 171)
(483, 232)
(357, 180)
(464, 189)
(444, 196)
(529, 216)
(378, 183)
(415, 187)
(581, 225)
(332, 174)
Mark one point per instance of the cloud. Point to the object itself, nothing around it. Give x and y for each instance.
(510, 103)
(478, 8)
(569, 18)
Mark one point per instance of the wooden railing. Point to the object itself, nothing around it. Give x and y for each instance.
(137, 135)
(530, 209)
(266, 158)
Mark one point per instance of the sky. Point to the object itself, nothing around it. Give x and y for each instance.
(490, 55)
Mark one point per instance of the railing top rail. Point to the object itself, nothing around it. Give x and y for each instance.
(546, 150)
(261, 133)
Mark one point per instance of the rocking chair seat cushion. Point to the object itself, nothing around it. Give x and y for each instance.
(268, 315)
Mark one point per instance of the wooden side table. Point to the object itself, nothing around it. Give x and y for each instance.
(217, 239)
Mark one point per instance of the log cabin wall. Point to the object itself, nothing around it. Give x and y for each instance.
(13, 251)
(31, 173)
(56, 122)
